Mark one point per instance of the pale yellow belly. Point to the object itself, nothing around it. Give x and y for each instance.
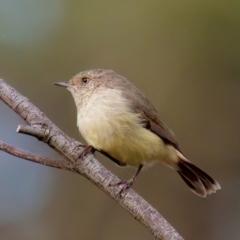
(107, 122)
(124, 139)
(138, 147)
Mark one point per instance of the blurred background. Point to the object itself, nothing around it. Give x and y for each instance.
(184, 55)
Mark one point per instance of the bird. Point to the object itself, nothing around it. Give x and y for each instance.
(116, 118)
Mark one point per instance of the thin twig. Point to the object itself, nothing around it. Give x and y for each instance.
(31, 156)
(32, 131)
(89, 166)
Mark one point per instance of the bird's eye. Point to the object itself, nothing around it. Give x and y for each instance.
(84, 80)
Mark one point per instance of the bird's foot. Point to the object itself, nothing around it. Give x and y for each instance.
(125, 187)
(88, 149)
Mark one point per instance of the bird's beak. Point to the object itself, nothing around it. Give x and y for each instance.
(62, 84)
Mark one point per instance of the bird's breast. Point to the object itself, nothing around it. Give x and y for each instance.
(103, 117)
(107, 123)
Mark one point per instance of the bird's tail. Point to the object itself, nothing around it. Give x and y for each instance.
(198, 181)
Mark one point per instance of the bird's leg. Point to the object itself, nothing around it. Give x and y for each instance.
(88, 149)
(129, 183)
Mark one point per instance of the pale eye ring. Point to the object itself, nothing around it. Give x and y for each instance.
(84, 80)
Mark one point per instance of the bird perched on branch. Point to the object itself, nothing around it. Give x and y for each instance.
(115, 118)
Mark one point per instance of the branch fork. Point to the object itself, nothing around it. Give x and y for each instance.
(42, 128)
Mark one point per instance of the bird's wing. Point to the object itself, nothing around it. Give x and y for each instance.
(150, 119)
(158, 127)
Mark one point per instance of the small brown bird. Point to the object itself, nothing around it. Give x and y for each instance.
(115, 118)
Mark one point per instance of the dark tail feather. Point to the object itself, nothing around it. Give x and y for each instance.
(199, 181)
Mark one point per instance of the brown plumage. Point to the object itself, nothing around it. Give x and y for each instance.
(118, 120)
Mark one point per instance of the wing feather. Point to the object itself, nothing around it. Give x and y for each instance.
(140, 104)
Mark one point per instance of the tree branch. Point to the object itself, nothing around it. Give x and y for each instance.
(42, 128)
(31, 156)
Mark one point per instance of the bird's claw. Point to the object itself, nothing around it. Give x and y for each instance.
(88, 149)
(126, 186)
